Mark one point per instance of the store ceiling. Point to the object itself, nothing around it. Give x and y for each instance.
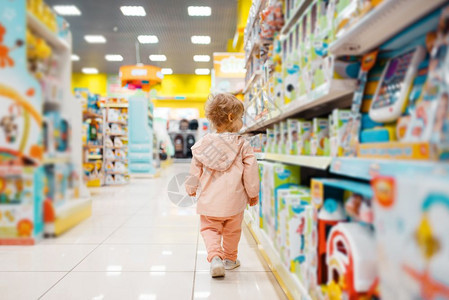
(167, 19)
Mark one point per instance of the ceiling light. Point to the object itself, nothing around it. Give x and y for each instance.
(95, 39)
(67, 10)
(148, 39)
(75, 57)
(90, 71)
(200, 39)
(202, 71)
(167, 71)
(113, 57)
(201, 58)
(199, 11)
(158, 57)
(135, 11)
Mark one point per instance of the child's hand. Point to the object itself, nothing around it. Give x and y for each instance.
(253, 201)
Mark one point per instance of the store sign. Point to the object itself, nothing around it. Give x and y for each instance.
(229, 72)
(229, 65)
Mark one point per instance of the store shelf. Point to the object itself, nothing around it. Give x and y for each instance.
(59, 159)
(382, 23)
(252, 80)
(116, 134)
(91, 115)
(291, 285)
(117, 160)
(316, 162)
(44, 32)
(116, 105)
(256, 16)
(295, 16)
(256, 45)
(366, 169)
(118, 122)
(337, 90)
(98, 156)
(72, 213)
(117, 173)
(93, 146)
(114, 147)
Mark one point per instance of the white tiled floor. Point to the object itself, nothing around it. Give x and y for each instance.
(136, 245)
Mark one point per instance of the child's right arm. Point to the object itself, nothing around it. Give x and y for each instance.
(192, 182)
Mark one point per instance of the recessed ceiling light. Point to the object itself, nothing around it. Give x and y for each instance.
(95, 39)
(148, 39)
(167, 71)
(199, 11)
(135, 11)
(89, 70)
(201, 58)
(158, 57)
(75, 57)
(200, 39)
(113, 57)
(202, 71)
(67, 10)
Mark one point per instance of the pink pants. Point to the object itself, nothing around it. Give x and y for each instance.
(213, 229)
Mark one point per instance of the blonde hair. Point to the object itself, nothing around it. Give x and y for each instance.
(219, 107)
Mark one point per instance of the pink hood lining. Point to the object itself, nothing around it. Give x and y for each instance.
(217, 151)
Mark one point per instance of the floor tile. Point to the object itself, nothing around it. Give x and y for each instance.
(163, 221)
(43, 257)
(162, 235)
(83, 235)
(126, 285)
(141, 258)
(250, 258)
(237, 285)
(27, 285)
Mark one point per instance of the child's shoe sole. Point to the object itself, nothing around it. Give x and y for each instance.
(217, 271)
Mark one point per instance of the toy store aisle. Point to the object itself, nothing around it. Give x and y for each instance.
(136, 245)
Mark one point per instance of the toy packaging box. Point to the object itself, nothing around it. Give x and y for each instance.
(277, 138)
(320, 136)
(275, 176)
(411, 223)
(293, 138)
(338, 130)
(304, 136)
(284, 138)
(270, 141)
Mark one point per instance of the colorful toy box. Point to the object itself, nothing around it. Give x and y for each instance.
(338, 130)
(275, 176)
(282, 148)
(277, 138)
(270, 141)
(320, 136)
(411, 223)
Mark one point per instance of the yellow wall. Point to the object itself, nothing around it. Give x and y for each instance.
(195, 88)
(96, 83)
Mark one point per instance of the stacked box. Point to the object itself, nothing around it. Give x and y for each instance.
(284, 138)
(270, 141)
(277, 138)
(320, 136)
(339, 130)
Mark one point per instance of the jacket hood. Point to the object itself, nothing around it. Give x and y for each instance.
(218, 151)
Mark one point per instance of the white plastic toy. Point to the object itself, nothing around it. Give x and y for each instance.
(351, 259)
(118, 142)
(110, 154)
(394, 86)
(108, 142)
(110, 179)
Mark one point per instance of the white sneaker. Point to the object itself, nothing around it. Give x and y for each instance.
(230, 265)
(217, 268)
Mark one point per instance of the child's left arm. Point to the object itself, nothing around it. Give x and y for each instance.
(250, 172)
(192, 182)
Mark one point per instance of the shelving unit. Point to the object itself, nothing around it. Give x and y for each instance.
(291, 286)
(382, 23)
(111, 160)
(295, 16)
(316, 162)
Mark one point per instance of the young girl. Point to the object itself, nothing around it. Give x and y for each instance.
(225, 174)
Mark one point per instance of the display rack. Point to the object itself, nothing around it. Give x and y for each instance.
(370, 164)
(382, 23)
(116, 142)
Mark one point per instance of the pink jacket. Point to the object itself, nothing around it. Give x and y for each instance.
(224, 174)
